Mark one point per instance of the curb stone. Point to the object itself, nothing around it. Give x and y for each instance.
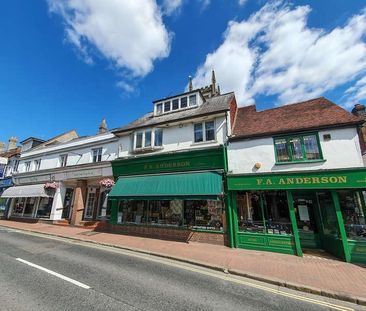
(261, 278)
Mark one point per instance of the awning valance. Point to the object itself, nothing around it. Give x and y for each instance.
(200, 185)
(25, 191)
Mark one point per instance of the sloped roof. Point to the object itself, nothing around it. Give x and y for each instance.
(211, 105)
(308, 115)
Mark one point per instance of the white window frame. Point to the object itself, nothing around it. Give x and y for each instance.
(203, 123)
(63, 160)
(99, 154)
(27, 166)
(37, 164)
(152, 142)
(179, 98)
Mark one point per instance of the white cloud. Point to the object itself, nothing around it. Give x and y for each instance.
(125, 86)
(275, 52)
(242, 2)
(129, 33)
(171, 6)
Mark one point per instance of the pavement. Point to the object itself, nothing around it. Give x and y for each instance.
(312, 274)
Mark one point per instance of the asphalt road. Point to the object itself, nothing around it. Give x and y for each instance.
(112, 279)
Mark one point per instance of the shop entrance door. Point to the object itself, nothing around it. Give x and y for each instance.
(317, 222)
(68, 202)
(307, 217)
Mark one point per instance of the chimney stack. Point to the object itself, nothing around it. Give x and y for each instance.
(12, 143)
(103, 127)
(359, 111)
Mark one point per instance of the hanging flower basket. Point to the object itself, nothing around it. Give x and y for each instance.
(51, 185)
(107, 183)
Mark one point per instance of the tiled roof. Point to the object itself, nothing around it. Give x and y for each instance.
(312, 114)
(211, 105)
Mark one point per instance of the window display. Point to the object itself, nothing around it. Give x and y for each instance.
(192, 214)
(353, 212)
(18, 207)
(44, 208)
(29, 206)
(263, 212)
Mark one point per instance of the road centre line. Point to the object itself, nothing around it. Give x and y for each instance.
(63, 277)
(180, 265)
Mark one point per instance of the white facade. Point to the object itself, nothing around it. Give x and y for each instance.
(176, 137)
(341, 151)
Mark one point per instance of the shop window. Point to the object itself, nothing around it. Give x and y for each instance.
(297, 148)
(104, 209)
(44, 208)
(263, 212)
(195, 214)
(204, 214)
(353, 212)
(204, 131)
(97, 154)
(29, 206)
(18, 207)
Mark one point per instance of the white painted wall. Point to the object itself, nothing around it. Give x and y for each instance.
(178, 138)
(78, 151)
(342, 151)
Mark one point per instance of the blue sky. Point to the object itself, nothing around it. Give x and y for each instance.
(67, 64)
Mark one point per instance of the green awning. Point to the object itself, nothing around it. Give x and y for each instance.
(202, 185)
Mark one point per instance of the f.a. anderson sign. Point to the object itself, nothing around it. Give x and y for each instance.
(321, 180)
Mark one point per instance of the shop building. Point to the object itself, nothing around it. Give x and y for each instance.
(296, 180)
(170, 173)
(65, 179)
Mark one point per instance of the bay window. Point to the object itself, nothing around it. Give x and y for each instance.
(297, 148)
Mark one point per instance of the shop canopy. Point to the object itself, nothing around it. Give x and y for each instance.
(25, 191)
(201, 185)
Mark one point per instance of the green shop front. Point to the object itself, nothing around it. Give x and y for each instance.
(179, 196)
(297, 212)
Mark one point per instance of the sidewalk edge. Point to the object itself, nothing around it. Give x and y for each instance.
(253, 276)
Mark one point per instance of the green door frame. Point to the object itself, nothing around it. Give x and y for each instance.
(234, 224)
(342, 230)
(290, 202)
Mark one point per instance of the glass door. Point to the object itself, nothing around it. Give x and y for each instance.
(68, 202)
(307, 219)
(90, 203)
(329, 229)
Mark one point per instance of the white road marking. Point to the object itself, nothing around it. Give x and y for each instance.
(54, 273)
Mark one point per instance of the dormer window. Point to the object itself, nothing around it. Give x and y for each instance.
(159, 108)
(175, 104)
(167, 106)
(148, 139)
(183, 102)
(193, 100)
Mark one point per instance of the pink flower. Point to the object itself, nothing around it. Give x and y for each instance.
(107, 183)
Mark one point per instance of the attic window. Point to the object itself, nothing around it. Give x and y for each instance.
(193, 100)
(159, 108)
(167, 106)
(175, 104)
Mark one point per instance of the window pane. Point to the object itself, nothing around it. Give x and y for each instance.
(276, 213)
(44, 208)
(158, 137)
(90, 203)
(104, 209)
(168, 213)
(204, 214)
(183, 102)
(281, 150)
(175, 104)
(167, 106)
(296, 149)
(147, 138)
(353, 212)
(159, 108)
(139, 140)
(250, 216)
(311, 147)
(193, 100)
(210, 130)
(29, 206)
(18, 206)
(198, 132)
